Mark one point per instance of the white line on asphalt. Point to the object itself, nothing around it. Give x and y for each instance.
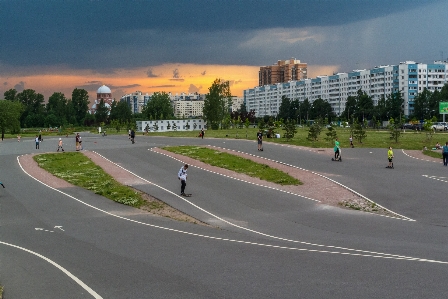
(76, 279)
(365, 253)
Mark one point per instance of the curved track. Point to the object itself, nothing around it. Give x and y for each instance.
(264, 243)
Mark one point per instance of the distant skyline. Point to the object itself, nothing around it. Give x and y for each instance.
(182, 46)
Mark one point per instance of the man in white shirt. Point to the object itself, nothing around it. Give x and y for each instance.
(182, 176)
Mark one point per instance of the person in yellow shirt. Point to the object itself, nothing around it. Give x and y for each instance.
(390, 156)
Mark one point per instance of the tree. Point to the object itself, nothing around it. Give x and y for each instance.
(33, 108)
(121, 112)
(394, 130)
(359, 133)
(10, 112)
(284, 110)
(394, 104)
(216, 103)
(80, 103)
(364, 105)
(101, 112)
(158, 107)
(331, 134)
(290, 129)
(10, 95)
(57, 106)
(322, 109)
(350, 108)
(421, 104)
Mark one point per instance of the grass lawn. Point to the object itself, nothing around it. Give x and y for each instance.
(375, 138)
(79, 170)
(234, 163)
(433, 153)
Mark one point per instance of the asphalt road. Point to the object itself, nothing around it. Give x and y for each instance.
(71, 243)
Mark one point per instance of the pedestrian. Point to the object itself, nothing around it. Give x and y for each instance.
(132, 136)
(60, 145)
(129, 134)
(390, 156)
(445, 154)
(77, 142)
(40, 138)
(18, 138)
(260, 140)
(351, 141)
(37, 142)
(202, 133)
(80, 143)
(336, 149)
(182, 176)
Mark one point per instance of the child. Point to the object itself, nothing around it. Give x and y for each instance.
(336, 149)
(60, 145)
(18, 138)
(390, 155)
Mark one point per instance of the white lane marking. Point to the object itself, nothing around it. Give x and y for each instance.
(73, 277)
(59, 227)
(365, 253)
(45, 230)
(419, 158)
(346, 187)
(441, 179)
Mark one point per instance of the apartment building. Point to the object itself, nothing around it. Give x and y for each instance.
(187, 105)
(136, 101)
(283, 71)
(409, 78)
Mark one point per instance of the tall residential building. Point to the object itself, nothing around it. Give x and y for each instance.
(187, 105)
(409, 78)
(136, 101)
(282, 72)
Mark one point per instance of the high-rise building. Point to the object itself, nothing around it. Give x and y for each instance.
(282, 72)
(409, 78)
(136, 101)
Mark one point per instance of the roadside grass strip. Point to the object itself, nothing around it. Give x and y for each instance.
(80, 171)
(399, 216)
(332, 249)
(234, 163)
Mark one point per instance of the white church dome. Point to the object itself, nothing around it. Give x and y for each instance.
(104, 89)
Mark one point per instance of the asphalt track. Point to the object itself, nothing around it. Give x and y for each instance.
(71, 243)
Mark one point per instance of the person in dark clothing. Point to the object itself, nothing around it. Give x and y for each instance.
(260, 140)
(132, 136)
(182, 176)
(445, 154)
(202, 133)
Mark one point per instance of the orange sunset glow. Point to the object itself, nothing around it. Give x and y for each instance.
(174, 78)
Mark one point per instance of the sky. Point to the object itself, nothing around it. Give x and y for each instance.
(184, 45)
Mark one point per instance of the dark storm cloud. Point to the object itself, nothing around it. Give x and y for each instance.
(203, 73)
(20, 86)
(150, 73)
(161, 86)
(103, 35)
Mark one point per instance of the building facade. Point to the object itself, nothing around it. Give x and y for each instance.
(284, 71)
(187, 105)
(136, 101)
(409, 78)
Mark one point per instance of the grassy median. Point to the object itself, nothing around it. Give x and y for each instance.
(235, 163)
(79, 170)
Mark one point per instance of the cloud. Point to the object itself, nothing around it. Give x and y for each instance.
(176, 74)
(203, 73)
(124, 86)
(5, 83)
(180, 80)
(94, 82)
(161, 86)
(150, 73)
(193, 89)
(20, 86)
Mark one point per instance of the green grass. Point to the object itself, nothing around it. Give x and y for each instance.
(375, 138)
(79, 170)
(433, 154)
(234, 163)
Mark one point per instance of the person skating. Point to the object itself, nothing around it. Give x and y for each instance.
(202, 133)
(182, 176)
(445, 154)
(60, 145)
(390, 156)
(132, 136)
(77, 142)
(336, 149)
(260, 140)
(37, 141)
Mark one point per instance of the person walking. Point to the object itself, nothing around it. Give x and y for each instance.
(77, 141)
(132, 136)
(37, 142)
(445, 154)
(60, 145)
(260, 140)
(351, 141)
(390, 156)
(18, 138)
(182, 176)
(202, 133)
